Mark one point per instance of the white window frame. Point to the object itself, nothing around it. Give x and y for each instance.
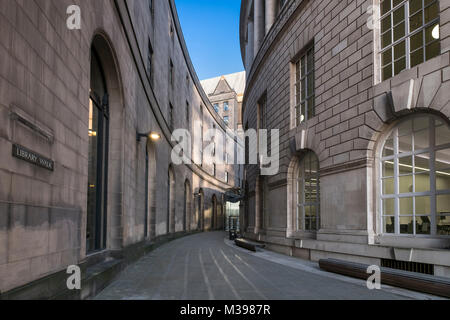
(297, 78)
(433, 193)
(406, 37)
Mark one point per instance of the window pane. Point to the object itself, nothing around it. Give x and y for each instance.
(415, 21)
(442, 135)
(399, 31)
(422, 183)
(405, 165)
(399, 66)
(423, 205)
(432, 12)
(443, 180)
(299, 218)
(396, 3)
(387, 72)
(388, 186)
(399, 15)
(399, 50)
(388, 169)
(416, 57)
(406, 184)
(416, 41)
(422, 140)
(300, 191)
(389, 207)
(422, 163)
(303, 90)
(443, 204)
(388, 148)
(432, 50)
(386, 24)
(406, 225)
(307, 224)
(414, 6)
(431, 33)
(442, 159)
(385, 6)
(386, 39)
(406, 206)
(389, 224)
(443, 225)
(421, 123)
(405, 144)
(311, 109)
(423, 225)
(310, 84)
(387, 57)
(405, 128)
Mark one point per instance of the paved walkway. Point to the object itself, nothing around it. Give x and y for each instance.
(207, 267)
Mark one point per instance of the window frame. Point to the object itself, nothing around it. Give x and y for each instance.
(298, 78)
(304, 203)
(433, 193)
(407, 36)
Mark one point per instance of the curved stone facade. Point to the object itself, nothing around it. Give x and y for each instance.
(45, 79)
(353, 112)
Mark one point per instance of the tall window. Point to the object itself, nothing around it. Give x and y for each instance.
(226, 106)
(171, 74)
(305, 87)
(226, 119)
(201, 136)
(171, 119)
(216, 107)
(150, 61)
(98, 158)
(409, 34)
(415, 178)
(188, 113)
(308, 194)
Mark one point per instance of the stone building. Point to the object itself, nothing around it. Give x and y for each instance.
(226, 93)
(362, 102)
(81, 180)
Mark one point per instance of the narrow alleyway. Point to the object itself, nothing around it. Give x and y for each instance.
(205, 266)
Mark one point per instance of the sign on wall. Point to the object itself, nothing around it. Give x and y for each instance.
(23, 153)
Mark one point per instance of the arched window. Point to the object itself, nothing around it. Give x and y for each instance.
(308, 193)
(415, 178)
(170, 201)
(187, 207)
(214, 213)
(98, 156)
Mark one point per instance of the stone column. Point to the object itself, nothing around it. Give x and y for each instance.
(260, 27)
(250, 45)
(271, 13)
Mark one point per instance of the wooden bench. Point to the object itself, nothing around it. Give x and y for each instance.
(438, 286)
(249, 245)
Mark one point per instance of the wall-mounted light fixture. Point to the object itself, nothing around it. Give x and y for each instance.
(154, 136)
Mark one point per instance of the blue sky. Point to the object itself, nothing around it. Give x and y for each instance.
(211, 31)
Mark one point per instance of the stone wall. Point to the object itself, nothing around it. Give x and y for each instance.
(352, 111)
(44, 106)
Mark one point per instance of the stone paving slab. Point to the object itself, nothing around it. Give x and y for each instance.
(209, 267)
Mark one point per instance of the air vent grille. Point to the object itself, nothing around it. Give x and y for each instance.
(408, 266)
